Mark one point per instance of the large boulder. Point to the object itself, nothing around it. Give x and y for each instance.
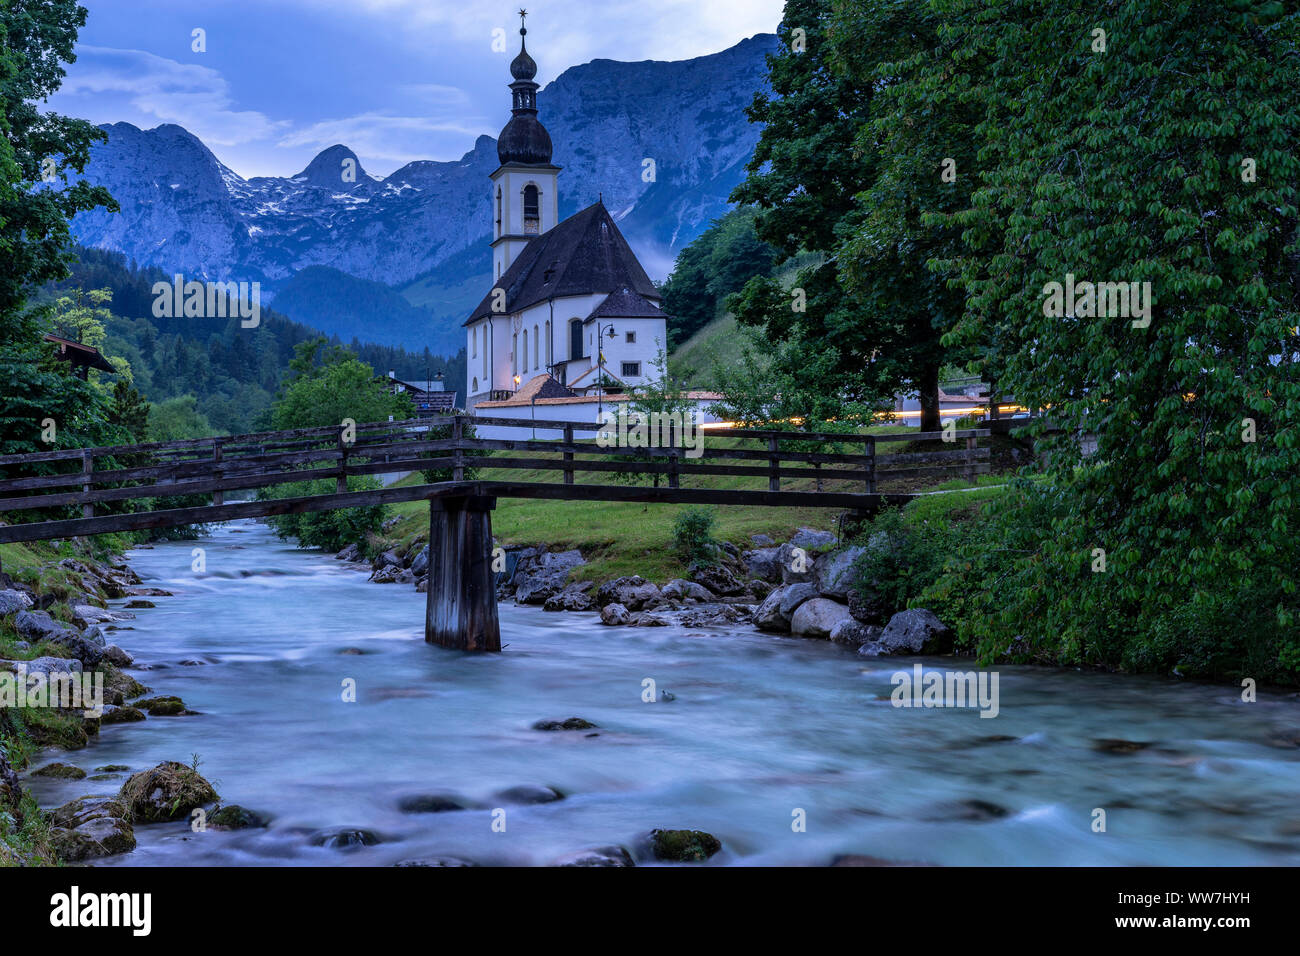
(796, 563)
(91, 827)
(420, 564)
(635, 593)
(818, 617)
(11, 602)
(854, 633)
(916, 631)
(683, 846)
(810, 539)
(574, 597)
(679, 589)
(167, 792)
(386, 559)
(763, 564)
(716, 578)
(834, 573)
(38, 626)
(778, 608)
(540, 576)
(614, 614)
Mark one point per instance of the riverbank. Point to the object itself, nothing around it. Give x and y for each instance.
(62, 678)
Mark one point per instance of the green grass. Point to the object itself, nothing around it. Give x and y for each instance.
(624, 538)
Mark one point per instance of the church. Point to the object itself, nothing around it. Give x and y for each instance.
(572, 318)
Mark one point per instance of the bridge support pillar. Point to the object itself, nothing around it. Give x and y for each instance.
(462, 604)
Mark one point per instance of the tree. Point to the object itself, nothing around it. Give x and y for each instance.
(177, 418)
(326, 386)
(37, 195)
(812, 178)
(716, 264)
(1155, 147)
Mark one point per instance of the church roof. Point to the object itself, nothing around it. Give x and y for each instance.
(623, 303)
(585, 254)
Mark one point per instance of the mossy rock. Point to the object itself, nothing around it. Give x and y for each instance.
(683, 846)
(113, 768)
(161, 706)
(235, 817)
(53, 728)
(91, 827)
(138, 604)
(167, 792)
(570, 723)
(121, 715)
(120, 687)
(63, 771)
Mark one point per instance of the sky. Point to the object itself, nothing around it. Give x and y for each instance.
(394, 80)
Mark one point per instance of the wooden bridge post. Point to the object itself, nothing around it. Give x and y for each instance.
(458, 454)
(970, 460)
(461, 612)
(218, 497)
(773, 465)
(568, 455)
(341, 480)
(869, 460)
(674, 480)
(87, 473)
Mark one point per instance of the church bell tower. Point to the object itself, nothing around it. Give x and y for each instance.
(524, 199)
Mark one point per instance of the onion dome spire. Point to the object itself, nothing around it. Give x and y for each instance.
(524, 139)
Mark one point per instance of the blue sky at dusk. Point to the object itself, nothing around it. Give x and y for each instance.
(395, 80)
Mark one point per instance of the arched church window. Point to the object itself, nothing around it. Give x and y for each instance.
(532, 211)
(523, 366)
(550, 359)
(536, 344)
(474, 343)
(498, 212)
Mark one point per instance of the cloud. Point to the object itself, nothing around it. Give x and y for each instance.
(156, 88)
(396, 139)
(568, 32)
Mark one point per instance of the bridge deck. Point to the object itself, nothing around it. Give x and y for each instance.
(127, 479)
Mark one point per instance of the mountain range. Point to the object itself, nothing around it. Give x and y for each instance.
(400, 259)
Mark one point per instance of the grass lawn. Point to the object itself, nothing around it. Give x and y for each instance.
(623, 538)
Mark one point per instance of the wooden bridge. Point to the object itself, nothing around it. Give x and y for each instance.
(116, 488)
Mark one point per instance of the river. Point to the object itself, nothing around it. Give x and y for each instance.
(759, 727)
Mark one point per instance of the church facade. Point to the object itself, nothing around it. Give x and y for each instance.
(571, 315)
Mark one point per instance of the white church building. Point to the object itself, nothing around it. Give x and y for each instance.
(572, 322)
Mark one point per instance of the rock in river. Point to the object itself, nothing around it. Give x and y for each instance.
(64, 771)
(597, 856)
(167, 792)
(91, 827)
(529, 794)
(683, 846)
(818, 617)
(570, 723)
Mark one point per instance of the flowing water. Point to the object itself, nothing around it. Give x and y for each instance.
(758, 727)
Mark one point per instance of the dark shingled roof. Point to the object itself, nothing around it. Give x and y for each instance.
(584, 254)
(625, 304)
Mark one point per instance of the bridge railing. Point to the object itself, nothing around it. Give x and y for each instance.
(108, 476)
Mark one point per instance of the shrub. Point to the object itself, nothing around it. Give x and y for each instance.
(901, 559)
(329, 530)
(693, 535)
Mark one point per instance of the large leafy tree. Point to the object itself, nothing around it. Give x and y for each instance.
(39, 151)
(1148, 144)
(862, 320)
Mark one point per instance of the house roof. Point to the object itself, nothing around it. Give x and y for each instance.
(623, 303)
(584, 254)
(79, 354)
(591, 399)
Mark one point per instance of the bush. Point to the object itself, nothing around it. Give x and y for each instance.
(693, 535)
(329, 530)
(901, 559)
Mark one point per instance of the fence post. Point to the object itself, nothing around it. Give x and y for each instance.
(673, 481)
(869, 461)
(218, 496)
(458, 455)
(773, 465)
(568, 455)
(341, 481)
(87, 471)
(970, 459)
